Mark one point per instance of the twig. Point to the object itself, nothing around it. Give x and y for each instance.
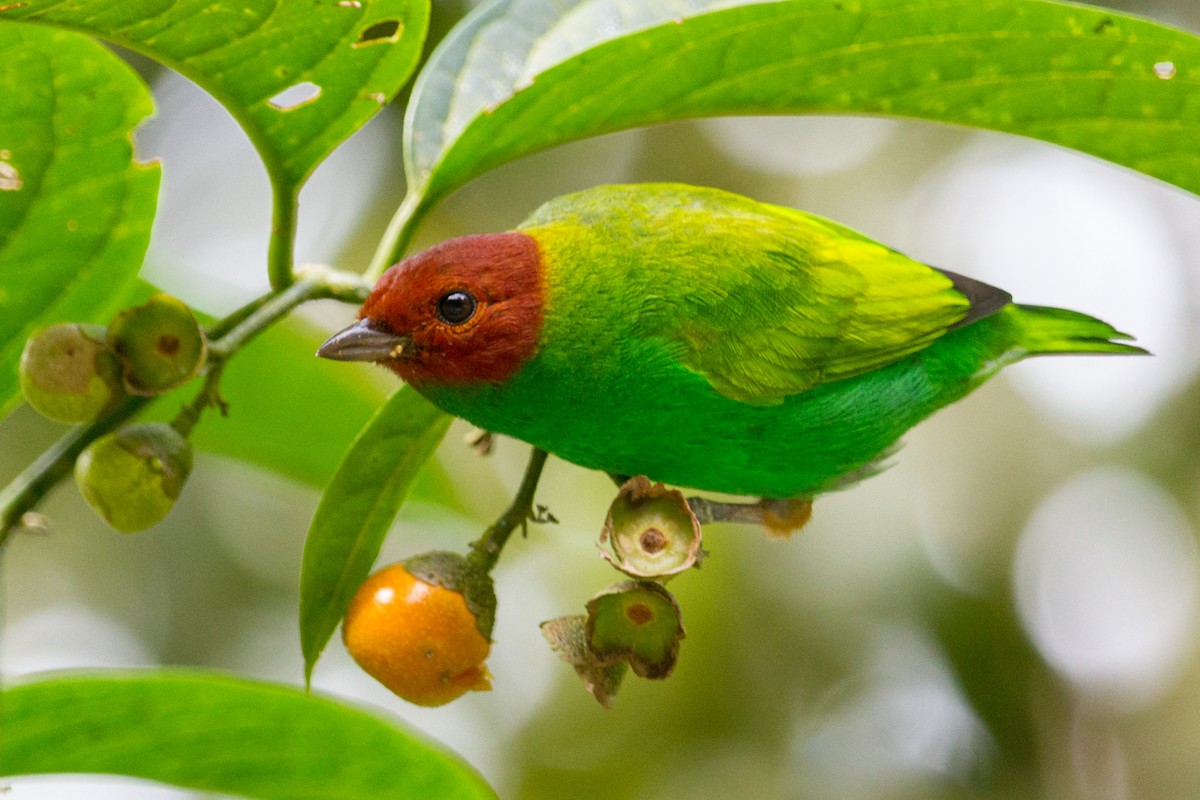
(398, 234)
(779, 517)
(707, 511)
(486, 550)
(313, 283)
(227, 337)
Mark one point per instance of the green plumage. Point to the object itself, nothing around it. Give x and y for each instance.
(710, 341)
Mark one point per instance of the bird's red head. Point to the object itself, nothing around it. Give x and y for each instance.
(467, 310)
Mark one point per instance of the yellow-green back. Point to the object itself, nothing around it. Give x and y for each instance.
(764, 301)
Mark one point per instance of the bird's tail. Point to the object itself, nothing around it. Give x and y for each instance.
(1046, 330)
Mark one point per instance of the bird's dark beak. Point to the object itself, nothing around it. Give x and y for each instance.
(363, 341)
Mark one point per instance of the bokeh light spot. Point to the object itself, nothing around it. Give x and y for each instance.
(1106, 583)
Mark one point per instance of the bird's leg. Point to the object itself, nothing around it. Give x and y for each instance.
(780, 518)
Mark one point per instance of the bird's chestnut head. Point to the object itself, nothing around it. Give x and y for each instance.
(465, 311)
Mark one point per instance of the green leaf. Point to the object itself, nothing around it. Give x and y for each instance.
(75, 210)
(514, 78)
(358, 53)
(218, 734)
(357, 509)
(299, 77)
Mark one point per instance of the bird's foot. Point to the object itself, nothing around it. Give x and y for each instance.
(780, 518)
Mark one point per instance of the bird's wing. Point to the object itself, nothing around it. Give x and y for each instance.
(764, 301)
(808, 302)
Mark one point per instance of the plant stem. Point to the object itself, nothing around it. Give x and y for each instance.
(708, 511)
(314, 283)
(283, 233)
(209, 395)
(779, 517)
(486, 551)
(224, 325)
(227, 336)
(398, 234)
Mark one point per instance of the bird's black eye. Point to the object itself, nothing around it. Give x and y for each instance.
(456, 308)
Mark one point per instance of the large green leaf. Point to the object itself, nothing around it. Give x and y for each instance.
(517, 76)
(299, 77)
(75, 210)
(358, 508)
(358, 53)
(219, 734)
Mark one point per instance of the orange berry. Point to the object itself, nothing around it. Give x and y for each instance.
(416, 638)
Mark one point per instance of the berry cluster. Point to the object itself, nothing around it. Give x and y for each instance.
(77, 373)
(422, 627)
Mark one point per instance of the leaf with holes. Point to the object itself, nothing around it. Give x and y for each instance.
(75, 209)
(358, 508)
(217, 734)
(299, 77)
(515, 77)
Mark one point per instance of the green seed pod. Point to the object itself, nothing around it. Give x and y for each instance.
(638, 622)
(160, 345)
(650, 531)
(68, 374)
(567, 636)
(132, 477)
(458, 574)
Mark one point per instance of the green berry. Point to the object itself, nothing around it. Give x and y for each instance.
(68, 374)
(160, 345)
(132, 477)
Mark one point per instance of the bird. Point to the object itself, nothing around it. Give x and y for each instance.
(700, 338)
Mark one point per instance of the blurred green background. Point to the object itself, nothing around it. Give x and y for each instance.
(1010, 611)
